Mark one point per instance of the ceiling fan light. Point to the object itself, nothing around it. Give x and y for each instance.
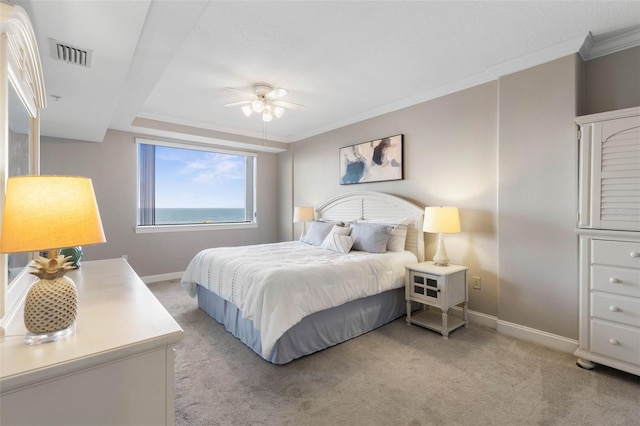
(247, 110)
(278, 111)
(266, 116)
(257, 106)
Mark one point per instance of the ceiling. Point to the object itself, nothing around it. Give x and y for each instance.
(161, 67)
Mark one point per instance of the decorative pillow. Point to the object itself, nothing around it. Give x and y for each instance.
(370, 237)
(398, 233)
(340, 229)
(398, 237)
(317, 232)
(338, 242)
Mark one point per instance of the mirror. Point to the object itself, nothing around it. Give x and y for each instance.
(19, 162)
(22, 91)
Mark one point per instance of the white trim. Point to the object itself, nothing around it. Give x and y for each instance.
(549, 340)
(536, 58)
(595, 49)
(154, 229)
(193, 145)
(528, 334)
(476, 317)
(608, 115)
(150, 279)
(15, 294)
(146, 116)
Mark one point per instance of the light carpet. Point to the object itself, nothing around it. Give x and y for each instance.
(394, 375)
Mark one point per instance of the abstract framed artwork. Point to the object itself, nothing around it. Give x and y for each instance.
(374, 161)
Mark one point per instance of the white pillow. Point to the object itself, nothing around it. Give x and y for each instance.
(398, 233)
(398, 237)
(317, 232)
(338, 242)
(340, 229)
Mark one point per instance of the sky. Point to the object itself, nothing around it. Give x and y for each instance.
(187, 178)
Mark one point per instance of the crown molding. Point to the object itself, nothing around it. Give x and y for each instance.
(594, 49)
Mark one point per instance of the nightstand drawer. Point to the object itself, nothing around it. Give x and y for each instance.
(620, 309)
(617, 341)
(616, 280)
(616, 253)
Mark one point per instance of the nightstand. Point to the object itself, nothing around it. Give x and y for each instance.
(439, 287)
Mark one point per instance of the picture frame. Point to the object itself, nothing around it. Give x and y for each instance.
(379, 160)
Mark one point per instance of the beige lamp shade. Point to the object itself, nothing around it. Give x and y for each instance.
(442, 220)
(49, 212)
(303, 214)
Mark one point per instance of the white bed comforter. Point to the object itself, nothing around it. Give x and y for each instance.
(276, 285)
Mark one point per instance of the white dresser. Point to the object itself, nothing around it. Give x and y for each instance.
(609, 233)
(118, 369)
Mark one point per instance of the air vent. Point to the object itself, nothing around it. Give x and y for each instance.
(70, 54)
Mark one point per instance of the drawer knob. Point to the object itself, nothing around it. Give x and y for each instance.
(614, 280)
(634, 254)
(614, 342)
(614, 309)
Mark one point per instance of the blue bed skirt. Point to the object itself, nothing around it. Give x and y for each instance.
(315, 332)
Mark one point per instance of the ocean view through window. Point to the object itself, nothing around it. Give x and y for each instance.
(193, 185)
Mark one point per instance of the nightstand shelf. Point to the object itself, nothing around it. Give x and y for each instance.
(436, 287)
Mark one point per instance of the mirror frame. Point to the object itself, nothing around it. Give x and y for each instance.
(19, 66)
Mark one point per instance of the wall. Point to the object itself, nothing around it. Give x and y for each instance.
(506, 143)
(537, 182)
(285, 191)
(504, 153)
(449, 159)
(113, 169)
(612, 81)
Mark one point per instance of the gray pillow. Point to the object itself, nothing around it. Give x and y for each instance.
(317, 232)
(370, 237)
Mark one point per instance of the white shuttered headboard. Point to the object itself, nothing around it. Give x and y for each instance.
(377, 205)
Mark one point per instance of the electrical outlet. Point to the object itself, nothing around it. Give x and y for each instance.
(477, 283)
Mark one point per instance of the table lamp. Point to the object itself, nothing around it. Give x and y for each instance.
(47, 213)
(441, 220)
(303, 214)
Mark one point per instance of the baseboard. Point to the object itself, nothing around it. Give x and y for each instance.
(553, 341)
(161, 277)
(476, 317)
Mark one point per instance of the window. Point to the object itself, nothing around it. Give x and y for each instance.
(189, 186)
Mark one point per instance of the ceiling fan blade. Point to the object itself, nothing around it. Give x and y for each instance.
(277, 93)
(241, 91)
(238, 103)
(289, 105)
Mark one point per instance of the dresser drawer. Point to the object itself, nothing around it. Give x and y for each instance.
(620, 309)
(616, 253)
(616, 280)
(617, 341)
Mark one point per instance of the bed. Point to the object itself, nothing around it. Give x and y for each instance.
(287, 300)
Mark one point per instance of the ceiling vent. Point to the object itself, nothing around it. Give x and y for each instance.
(70, 54)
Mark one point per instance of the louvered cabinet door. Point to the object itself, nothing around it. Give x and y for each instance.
(610, 171)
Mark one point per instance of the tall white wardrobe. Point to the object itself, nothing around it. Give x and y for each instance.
(609, 234)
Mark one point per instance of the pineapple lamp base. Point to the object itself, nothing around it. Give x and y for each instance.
(53, 336)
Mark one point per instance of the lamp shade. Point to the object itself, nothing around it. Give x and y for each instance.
(443, 220)
(303, 214)
(49, 212)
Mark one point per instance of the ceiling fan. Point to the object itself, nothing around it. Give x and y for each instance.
(266, 101)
